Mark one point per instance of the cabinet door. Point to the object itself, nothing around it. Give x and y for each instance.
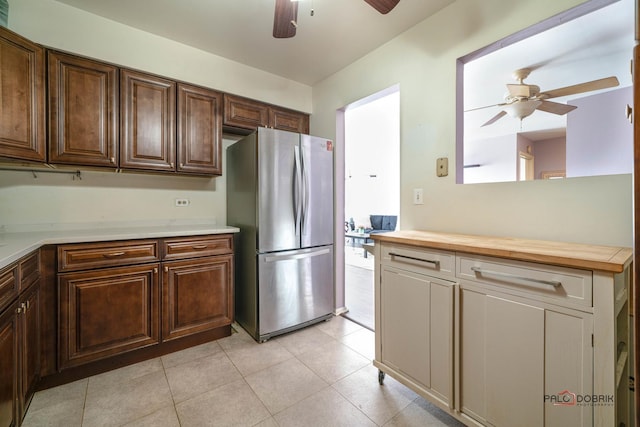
(147, 122)
(29, 327)
(107, 312)
(519, 360)
(197, 295)
(292, 121)
(199, 130)
(9, 366)
(417, 329)
(22, 111)
(245, 113)
(83, 111)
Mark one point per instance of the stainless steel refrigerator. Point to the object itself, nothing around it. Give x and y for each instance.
(280, 195)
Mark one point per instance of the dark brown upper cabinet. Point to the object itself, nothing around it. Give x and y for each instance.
(83, 111)
(147, 121)
(245, 113)
(22, 105)
(293, 121)
(199, 144)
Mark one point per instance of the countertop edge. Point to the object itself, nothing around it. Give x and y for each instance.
(14, 246)
(482, 245)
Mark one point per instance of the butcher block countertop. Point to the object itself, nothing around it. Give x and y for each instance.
(592, 257)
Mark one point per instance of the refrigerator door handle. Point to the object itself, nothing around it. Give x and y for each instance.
(274, 258)
(297, 184)
(305, 194)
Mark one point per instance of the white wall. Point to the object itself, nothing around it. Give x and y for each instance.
(493, 159)
(423, 62)
(107, 196)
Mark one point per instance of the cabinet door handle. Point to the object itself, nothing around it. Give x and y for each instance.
(166, 269)
(155, 270)
(480, 272)
(113, 254)
(435, 263)
(199, 247)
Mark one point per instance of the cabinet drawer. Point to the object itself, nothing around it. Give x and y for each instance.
(97, 255)
(189, 247)
(424, 261)
(8, 285)
(29, 270)
(566, 286)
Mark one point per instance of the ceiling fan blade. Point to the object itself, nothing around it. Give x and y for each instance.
(555, 107)
(581, 87)
(284, 19)
(383, 6)
(495, 118)
(486, 106)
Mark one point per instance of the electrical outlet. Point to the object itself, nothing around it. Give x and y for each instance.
(417, 196)
(181, 203)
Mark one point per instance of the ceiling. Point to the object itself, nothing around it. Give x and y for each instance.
(338, 33)
(593, 46)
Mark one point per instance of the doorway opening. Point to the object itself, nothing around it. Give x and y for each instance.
(371, 192)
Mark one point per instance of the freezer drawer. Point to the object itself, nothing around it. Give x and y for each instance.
(295, 288)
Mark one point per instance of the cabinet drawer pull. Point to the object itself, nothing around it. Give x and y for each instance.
(435, 263)
(480, 272)
(113, 254)
(199, 247)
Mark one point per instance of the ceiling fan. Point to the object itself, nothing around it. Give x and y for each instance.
(523, 99)
(285, 20)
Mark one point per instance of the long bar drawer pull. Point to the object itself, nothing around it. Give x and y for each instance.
(113, 254)
(199, 247)
(435, 263)
(553, 283)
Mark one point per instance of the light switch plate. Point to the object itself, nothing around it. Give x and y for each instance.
(418, 198)
(442, 166)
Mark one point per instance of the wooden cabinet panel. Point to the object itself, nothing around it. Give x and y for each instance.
(83, 111)
(199, 143)
(245, 113)
(189, 247)
(288, 120)
(9, 366)
(22, 105)
(197, 295)
(9, 285)
(83, 256)
(147, 121)
(107, 312)
(29, 268)
(29, 348)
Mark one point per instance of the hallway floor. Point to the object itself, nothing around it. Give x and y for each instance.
(319, 376)
(358, 286)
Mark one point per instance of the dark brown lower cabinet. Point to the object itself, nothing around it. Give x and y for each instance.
(9, 366)
(29, 327)
(107, 311)
(197, 295)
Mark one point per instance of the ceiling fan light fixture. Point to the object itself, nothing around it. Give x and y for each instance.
(522, 109)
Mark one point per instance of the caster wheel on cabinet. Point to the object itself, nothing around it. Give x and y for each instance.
(381, 376)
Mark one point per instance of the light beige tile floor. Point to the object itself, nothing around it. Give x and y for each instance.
(319, 376)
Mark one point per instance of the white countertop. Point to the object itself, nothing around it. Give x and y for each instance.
(15, 245)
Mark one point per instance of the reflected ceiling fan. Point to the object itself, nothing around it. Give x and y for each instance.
(285, 20)
(523, 99)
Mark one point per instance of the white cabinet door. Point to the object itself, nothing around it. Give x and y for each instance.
(514, 363)
(520, 360)
(417, 329)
